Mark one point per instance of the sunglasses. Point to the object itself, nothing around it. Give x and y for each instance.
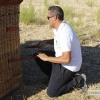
(49, 17)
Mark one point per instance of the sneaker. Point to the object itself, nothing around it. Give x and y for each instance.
(83, 84)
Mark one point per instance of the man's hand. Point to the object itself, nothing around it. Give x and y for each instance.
(42, 43)
(42, 56)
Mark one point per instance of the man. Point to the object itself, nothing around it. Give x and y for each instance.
(62, 65)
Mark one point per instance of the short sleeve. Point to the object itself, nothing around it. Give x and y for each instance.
(65, 41)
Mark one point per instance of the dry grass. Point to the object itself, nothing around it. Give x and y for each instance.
(33, 87)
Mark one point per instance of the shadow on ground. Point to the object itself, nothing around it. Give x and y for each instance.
(35, 81)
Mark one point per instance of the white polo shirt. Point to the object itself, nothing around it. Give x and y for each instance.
(65, 39)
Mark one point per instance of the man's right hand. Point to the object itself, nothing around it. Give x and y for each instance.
(42, 43)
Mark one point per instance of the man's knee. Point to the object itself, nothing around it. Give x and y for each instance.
(52, 93)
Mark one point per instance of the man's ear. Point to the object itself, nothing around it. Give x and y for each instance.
(55, 17)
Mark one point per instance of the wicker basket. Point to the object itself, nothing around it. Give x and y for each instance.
(10, 73)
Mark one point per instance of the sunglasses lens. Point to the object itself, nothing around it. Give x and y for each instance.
(48, 17)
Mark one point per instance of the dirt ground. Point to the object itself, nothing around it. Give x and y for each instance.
(34, 81)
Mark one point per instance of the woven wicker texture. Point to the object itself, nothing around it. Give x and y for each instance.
(10, 73)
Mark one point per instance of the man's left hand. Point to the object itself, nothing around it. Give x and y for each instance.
(42, 56)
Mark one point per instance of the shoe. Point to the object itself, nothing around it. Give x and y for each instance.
(83, 84)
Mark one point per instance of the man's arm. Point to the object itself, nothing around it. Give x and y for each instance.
(65, 58)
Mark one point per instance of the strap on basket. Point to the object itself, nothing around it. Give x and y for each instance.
(34, 46)
(12, 28)
(21, 59)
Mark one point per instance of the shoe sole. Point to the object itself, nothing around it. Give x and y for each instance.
(83, 76)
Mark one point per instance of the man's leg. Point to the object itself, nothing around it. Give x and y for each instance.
(45, 66)
(59, 78)
(62, 81)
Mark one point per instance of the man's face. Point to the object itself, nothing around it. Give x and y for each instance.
(51, 19)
